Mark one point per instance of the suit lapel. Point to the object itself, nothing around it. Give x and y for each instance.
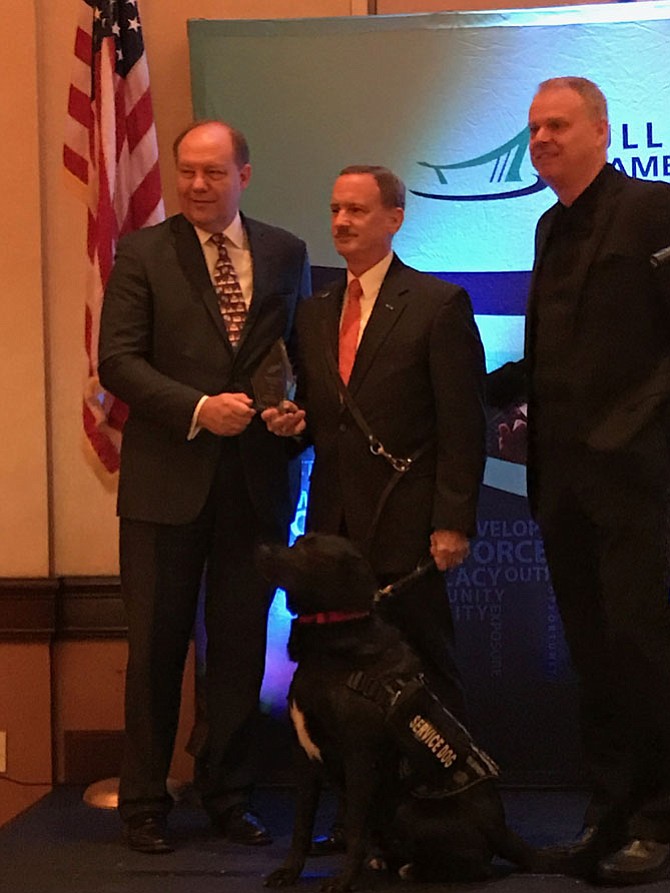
(262, 259)
(330, 308)
(389, 307)
(192, 263)
(602, 221)
(540, 243)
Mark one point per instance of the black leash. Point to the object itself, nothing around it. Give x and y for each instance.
(400, 465)
(422, 568)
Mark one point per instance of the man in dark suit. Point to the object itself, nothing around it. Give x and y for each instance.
(596, 375)
(416, 379)
(187, 317)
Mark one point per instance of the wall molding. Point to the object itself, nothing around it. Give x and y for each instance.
(90, 608)
(44, 609)
(28, 609)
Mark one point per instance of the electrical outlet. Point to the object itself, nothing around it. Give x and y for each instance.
(3, 752)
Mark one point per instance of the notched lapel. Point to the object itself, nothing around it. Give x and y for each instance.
(542, 236)
(389, 308)
(262, 261)
(192, 262)
(330, 308)
(603, 221)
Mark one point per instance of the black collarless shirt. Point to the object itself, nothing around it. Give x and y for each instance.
(556, 381)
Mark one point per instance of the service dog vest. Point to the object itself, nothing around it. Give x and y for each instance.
(440, 757)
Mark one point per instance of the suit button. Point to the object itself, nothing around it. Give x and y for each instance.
(343, 426)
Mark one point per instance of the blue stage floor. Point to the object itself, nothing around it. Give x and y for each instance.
(61, 845)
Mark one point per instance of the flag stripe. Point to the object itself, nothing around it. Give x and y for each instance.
(75, 164)
(110, 149)
(83, 45)
(147, 194)
(139, 121)
(79, 107)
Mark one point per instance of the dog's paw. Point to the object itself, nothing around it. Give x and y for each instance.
(286, 876)
(377, 863)
(406, 872)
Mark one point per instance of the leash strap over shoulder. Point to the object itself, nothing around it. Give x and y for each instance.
(400, 465)
(376, 447)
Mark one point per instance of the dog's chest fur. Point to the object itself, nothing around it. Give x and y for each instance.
(329, 717)
(302, 732)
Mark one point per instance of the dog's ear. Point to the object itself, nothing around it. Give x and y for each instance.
(335, 565)
(320, 572)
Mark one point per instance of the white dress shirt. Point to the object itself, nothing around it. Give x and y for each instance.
(371, 283)
(237, 245)
(239, 252)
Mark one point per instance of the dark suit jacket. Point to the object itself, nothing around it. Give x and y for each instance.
(621, 351)
(163, 345)
(417, 379)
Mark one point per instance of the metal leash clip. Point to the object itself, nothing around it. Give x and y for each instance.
(377, 449)
(422, 567)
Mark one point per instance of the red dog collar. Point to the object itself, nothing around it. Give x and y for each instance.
(332, 616)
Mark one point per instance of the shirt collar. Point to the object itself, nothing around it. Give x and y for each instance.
(234, 232)
(371, 280)
(588, 196)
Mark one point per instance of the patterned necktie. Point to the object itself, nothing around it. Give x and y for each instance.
(349, 329)
(227, 285)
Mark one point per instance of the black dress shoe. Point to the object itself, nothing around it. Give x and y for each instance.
(147, 834)
(578, 857)
(240, 825)
(638, 862)
(327, 844)
(584, 841)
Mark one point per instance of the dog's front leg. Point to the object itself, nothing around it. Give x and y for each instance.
(361, 780)
(309, 778)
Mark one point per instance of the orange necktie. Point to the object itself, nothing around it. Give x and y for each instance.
(349, 329)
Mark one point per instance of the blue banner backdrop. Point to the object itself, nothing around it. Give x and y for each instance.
(442, 99)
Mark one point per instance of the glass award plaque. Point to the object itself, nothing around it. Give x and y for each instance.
(273, 381)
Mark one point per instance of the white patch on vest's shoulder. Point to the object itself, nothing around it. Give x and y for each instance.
(298, 720)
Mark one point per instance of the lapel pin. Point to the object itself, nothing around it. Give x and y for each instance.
(389, 306)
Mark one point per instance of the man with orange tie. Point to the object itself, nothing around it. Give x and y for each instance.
(192, 307)
(406, 346)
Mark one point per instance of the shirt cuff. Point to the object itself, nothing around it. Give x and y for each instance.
(195, 427)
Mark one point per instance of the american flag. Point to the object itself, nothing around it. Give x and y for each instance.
(110, 155)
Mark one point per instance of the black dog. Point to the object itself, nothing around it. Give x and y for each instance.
(413, 781)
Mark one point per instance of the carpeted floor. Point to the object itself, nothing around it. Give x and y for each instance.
(62, 845)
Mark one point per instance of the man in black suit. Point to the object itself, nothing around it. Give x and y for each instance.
(187, 317)
(596, 374)
(416, 381)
